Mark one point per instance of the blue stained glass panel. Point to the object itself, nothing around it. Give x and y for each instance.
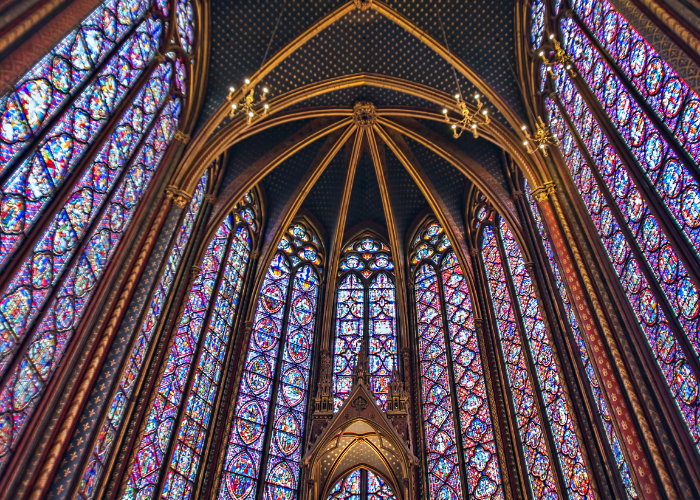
(382, 336)
(42, 91)
(202, 397)
(34, 182)
(348, 336)
(481, 461)
(556, 406)
(242, 462)
(440, 437)
(652, 320)
(289, 420)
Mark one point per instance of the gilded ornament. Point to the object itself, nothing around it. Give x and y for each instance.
(182, 137)
(364, 114)
(363, 4)
(178, 197)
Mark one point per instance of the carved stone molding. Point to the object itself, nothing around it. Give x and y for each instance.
(178, 197)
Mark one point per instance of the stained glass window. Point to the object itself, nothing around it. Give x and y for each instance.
(556, 406)
(365, 311)
(45, 88)
(450, 362)
(281, 342)
(112, 421)
(28, 292)
(34, 182)
(656, 116)
(529, 422)
(232, 241)
(671, 99)
(671, 178)
(538, 14)
(601, 404)
(652, 319)
(353, 485)
(48, 122)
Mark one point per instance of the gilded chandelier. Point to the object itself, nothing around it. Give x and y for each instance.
(541, 140)
(470, 120)
(560, 56)
(248, 105)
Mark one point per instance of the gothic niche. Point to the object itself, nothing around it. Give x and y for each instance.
(360, 446)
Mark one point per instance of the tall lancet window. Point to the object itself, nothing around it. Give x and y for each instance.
(179, 418)
(538, 397)
(460, 445)
(269, 417)
(111, 424)
(639, 179)
(365, 312)
(59, 133)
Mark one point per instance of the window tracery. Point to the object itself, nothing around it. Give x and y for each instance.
(276, 372)
(366, 302)
(451, 371)
(214, 294)
(359, 481)
(521, 330)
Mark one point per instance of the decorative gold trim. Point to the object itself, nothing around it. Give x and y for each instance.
(364, 114)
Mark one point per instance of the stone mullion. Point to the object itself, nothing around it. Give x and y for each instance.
(652, 371)
(314, 374)
(514, 462)
(121, 459)
(667, 222)
(607, 359)
(262, 472)
(673, 322)
(562, 483)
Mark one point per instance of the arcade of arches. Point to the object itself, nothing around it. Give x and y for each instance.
(349, 249)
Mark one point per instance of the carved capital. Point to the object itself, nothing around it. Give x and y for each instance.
(363, 4)
(517, 195)
(210, 198)
(474, 252)
(364, 114)
(544, 191)
(160, 58)
(195, 270)
(178, 197)
(182, 137)
(255, 254)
